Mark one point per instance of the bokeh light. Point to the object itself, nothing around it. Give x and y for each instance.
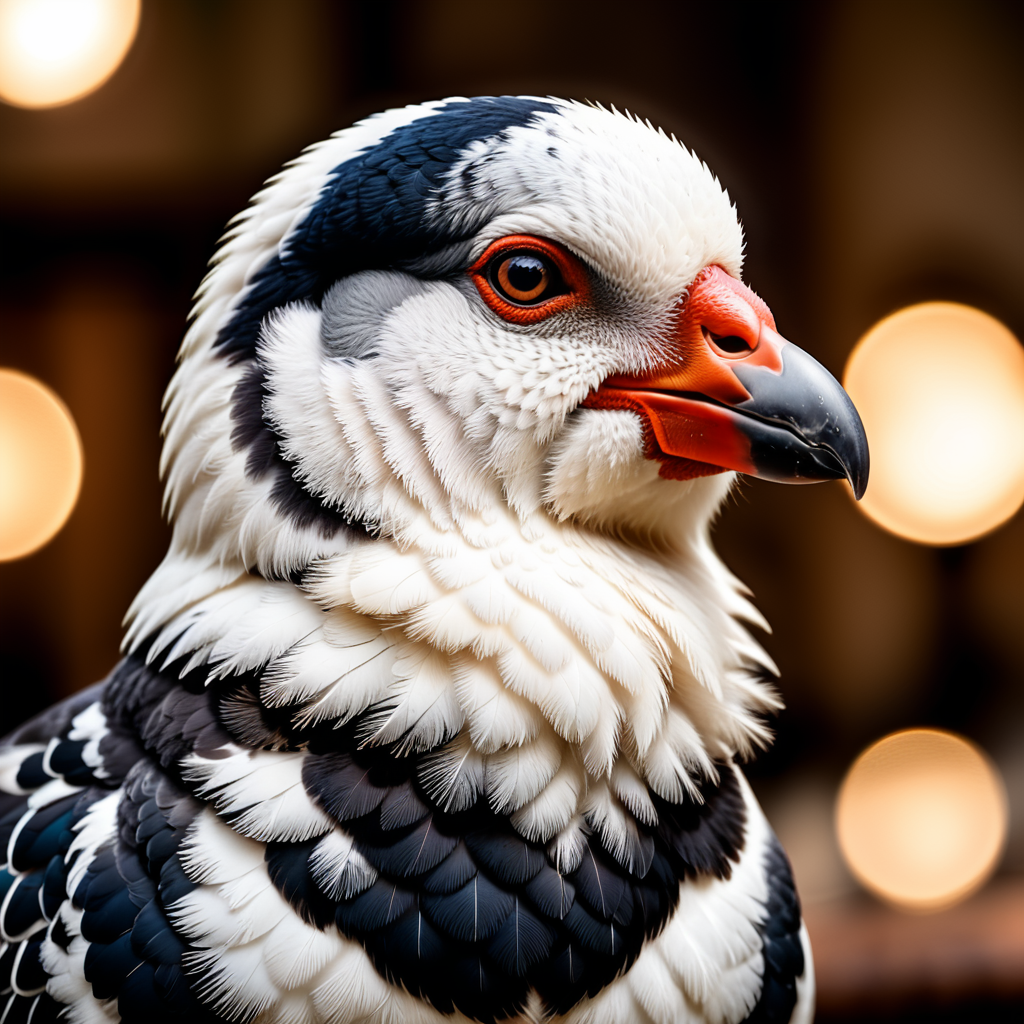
(40, 464)
(56, 51)
(922, 818)
(940, 388)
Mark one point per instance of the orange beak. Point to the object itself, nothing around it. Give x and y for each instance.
(732, 393)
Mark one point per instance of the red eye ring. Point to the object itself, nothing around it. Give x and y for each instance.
(569, 267)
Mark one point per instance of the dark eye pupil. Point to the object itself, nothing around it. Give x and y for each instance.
(524, 278)
(525, 273)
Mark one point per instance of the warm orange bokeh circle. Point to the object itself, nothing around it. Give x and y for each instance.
(56, 51)
(922, 818)
(40, 464)
(940, 388)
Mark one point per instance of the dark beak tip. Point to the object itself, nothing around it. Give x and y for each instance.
(826, 437)
(858, 468)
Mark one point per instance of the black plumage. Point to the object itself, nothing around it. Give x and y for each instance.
(289, 869)
(135, 952)
(43, 834)
(472, 913)
(522, 940)
(8, 954)
(31, 774)
(780, 932)
(452, 873)
(65, 760)
(492, 896)
(551, 892)
(44, 1010)
(35, 1009)
(22, 912)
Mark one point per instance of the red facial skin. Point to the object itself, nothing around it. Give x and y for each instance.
(688, 436)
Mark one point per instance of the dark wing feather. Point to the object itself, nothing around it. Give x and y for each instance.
(780, 934)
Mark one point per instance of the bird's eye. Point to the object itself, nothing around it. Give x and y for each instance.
(525, 278)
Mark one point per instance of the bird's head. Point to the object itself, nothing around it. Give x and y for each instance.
(507, 303)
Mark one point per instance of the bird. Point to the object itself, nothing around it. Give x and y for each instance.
(436, 709)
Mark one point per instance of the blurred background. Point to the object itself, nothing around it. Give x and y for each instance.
(876, 153)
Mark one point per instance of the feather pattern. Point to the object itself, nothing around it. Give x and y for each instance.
(431, 712)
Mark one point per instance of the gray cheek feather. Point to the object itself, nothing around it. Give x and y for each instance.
(355, 307)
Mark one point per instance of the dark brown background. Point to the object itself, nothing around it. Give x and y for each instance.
(876, 153)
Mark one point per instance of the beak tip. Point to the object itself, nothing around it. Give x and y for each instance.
(858, 468)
